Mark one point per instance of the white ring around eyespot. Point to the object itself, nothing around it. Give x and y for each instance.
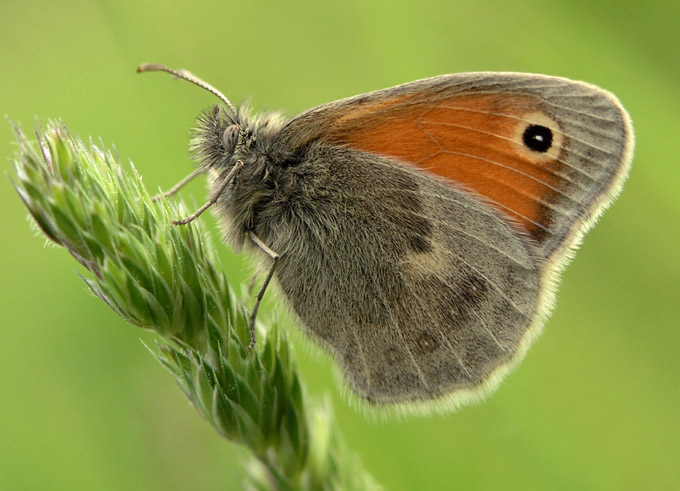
(540, 119)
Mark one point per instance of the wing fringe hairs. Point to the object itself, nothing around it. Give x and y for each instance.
(167, 279)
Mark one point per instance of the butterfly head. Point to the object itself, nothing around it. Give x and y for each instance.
(222, 137)
(237, 147)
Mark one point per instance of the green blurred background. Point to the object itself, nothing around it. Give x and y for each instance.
(596, 403)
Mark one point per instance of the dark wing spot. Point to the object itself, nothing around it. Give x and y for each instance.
(472, 290)
(419, 244)
(427, 342)
(538, 138)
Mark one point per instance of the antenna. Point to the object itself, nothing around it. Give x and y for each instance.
(189, 77)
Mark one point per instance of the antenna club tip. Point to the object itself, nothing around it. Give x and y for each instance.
(143, 67)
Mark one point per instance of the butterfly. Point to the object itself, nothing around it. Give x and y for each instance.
(417, 232)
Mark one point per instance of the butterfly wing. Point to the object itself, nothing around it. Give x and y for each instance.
(473, 129)
(449, 204)
(420, 290)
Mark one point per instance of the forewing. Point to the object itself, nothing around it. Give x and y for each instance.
(471, 129)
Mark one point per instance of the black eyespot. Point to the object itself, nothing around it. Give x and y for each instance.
(538, 138)
(230, 137)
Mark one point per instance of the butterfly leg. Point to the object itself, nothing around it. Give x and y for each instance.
(275, 259)
(179, 185)
(214, 197)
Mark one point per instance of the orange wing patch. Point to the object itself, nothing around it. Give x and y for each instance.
(477, 141)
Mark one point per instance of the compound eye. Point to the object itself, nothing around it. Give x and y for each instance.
(230, 137)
